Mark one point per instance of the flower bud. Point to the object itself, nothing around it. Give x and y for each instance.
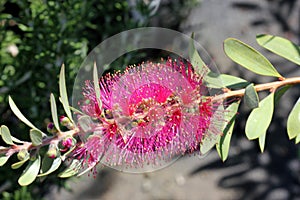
(22, 154)
(33, 157)
(51, 128)
(65, 121)
(52, 151)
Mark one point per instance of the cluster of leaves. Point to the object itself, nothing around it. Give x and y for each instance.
(262, 110)
(36, 38)
(45, 34)
(30, 151)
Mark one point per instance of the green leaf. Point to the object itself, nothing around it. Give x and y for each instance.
(210, 139)
(85, 122)
(249, 58)
(36, 137)
(63, 92)
(97, 86)
(195, 58)
(223, 144)
(5, 134)
(207, 143)
(213, 80)
(297, 140)
(251, 97)
(20, 163)
(260, 118)
(280, 92)
(17, 140)
(76, 110)
(293, 122)
(46, 164)
(54, 111)
(262, 141)
(18, 113)
(280, 46)
(70, 170)
(3, 160)
(30, 173)
(233, 82)
(54, 166)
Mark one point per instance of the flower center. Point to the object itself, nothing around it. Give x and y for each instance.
(150, 109)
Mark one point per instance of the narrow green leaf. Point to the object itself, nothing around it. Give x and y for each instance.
(54, 112)
(20, 163)
(18, 113)
(97, 86)
(213, 80)
(54, 166)
(293, 122)
(280, 92)
(30, 173)
(17, 140)
(36, 137)
(251, 97)
(76, 110)
(262, 141)
(233, 82)
(63, 92)
(3, 160)
(195, 58)
(260, 118)
(297, 140)
(85, 122)
(46, 164)
(223, 144)
(6, 136)
(71, 170)
(211, 138)
(249, 58)
(207, 143)
(280, 46)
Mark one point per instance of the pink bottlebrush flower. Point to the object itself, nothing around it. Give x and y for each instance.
(150, 114)
(89, 151)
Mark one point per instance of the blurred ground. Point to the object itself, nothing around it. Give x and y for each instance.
(247, 174)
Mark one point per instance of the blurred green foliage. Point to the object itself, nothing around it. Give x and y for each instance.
(36, 38)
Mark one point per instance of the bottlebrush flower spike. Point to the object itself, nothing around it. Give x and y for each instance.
(150, 114)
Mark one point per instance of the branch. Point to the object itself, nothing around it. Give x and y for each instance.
(260, 87)
(8, 151)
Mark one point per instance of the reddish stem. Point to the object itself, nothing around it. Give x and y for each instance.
(260, 87)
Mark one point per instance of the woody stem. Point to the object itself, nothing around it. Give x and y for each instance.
(272, 86)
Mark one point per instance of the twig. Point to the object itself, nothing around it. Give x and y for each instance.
(272, 86)
(8, 151)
